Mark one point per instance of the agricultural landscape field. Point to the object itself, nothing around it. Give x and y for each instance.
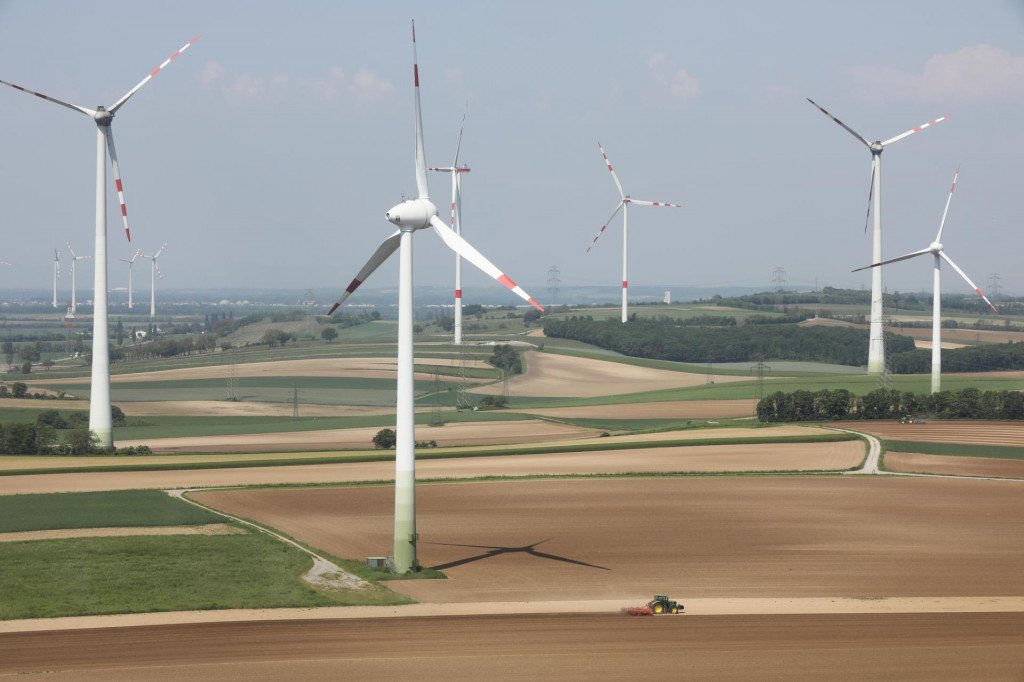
(602, 480)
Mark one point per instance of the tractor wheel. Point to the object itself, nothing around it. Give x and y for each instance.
(658, 608)
(674, 609)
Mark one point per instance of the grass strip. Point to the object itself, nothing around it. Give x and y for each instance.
(956, 449)
(127, 508)
(142, 574)
(445, 454)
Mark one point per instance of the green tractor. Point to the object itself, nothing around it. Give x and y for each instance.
(662, 604)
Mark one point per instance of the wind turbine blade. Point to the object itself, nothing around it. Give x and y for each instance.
(948, 199)
(71, 250)
(455, 202)
(157, 268)
(606, 223)
(421, 163)
(846, 127)
(145, 80)
(378, 257)
(893, 260)
(460, 246)
(871, 193)
(74, 107)
(914, 130)
(117, 177)
(455, 164)
(164, 246)
(653, 203)
(608, 163)
(968, 280)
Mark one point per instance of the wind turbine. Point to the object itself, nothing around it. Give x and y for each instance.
(409, 216)
(457, 172)
(624, 205)
(936, 249)
(876, 347)
(74, 259)
(56, 274)
(100, 420)
(153, 272)
(131, 267)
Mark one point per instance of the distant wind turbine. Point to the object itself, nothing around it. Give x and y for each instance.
(457, 172)
(409, 216)
(74, 293)
(936, 249)
(131, 267)
(100, 419)
(153, 272)
(56, 274)
(624, 205)
(876, 343)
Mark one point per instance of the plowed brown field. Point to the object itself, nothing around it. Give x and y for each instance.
(908, 647)
(1010, 434)
(711, 537)
(916, 463)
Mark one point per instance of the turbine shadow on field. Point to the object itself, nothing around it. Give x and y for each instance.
(498, 550)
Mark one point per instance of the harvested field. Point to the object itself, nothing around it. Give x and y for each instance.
(701, 537)
(916, 463)
(689, 409)
(63, 533)
(910, 647)
(456, 433)
(709, 458)
(223, 408)
(1010, 434)
(565, 376)
(927, 344)
(316, 367)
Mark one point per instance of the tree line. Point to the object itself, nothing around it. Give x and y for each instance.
(882, 403)
(662, 340)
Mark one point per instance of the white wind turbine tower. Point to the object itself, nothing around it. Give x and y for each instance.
(56, 274)
(131, 267)
(100, 420)
(409, 216)
(876, 348)
(74, 259)
(624, 205)
(936, 249)
(153, 273)
(457, 172)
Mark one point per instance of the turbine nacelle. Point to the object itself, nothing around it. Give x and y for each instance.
(412, 213)
(876, 147)
(935, 247)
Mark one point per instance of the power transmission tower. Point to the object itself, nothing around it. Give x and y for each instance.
(553, 283)
(435, 416)
(462, 397)
(993, 284)
(309, 303)
(761, 370)
(885, 376)
(295, 402)
(778, 286)
(504, 384)
(233, 376)
(710, 378)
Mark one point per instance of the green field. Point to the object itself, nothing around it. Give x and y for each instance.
(955, 449)
(141, 574)
(132, 508)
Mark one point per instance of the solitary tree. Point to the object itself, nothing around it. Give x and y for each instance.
(329, 334)
(385, 438)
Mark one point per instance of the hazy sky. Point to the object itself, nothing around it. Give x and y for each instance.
(267, 154)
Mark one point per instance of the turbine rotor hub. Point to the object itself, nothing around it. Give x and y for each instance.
(103, 117)
(876, 147)
(935, 247)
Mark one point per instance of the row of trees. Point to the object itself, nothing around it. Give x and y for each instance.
(840, 404)
(669, 341)
(985, 358)
(506, 358)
